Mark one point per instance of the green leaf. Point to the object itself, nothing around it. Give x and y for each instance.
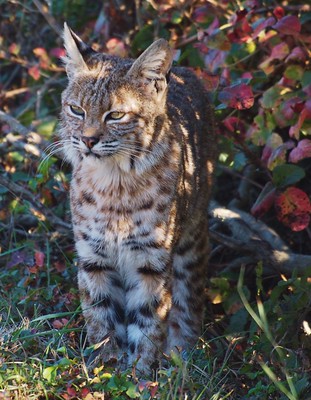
(306, 79)
(49, 373)
(131, 391)
(239, 161)
(176, 359)
(20, 176)
(47, 128)
(176, 17)
(238, 321)
(45, 166)
(16, 156)
(64, 362)
(271, 97)
(294, 72)
(287, 174)
(3, 190)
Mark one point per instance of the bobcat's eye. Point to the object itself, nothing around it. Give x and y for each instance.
(78, 111)
(116, 115)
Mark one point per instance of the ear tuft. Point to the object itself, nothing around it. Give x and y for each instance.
(154, 63)
(77, 52)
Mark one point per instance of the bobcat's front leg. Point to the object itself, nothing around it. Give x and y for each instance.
(102, 299)
(148, 301)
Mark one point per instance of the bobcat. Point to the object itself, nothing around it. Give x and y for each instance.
(140, 138)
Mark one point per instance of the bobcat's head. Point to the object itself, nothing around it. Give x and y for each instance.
(113, 107)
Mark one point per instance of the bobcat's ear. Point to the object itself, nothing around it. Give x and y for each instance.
(153, 66)
(77, 52)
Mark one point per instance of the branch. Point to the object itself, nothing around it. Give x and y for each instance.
(28, 140)
(254, 241)
(19, 128)
(45, 213)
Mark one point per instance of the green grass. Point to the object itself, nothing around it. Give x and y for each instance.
(43, 349)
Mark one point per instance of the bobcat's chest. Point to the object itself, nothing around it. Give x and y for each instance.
(114, 217)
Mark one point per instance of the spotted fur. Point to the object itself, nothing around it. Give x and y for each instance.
(140, 138)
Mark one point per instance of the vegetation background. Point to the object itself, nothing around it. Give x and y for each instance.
(254, 57)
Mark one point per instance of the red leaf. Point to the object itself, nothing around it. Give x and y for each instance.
(264, 201)
(14, 49)
(34, 269)
(40, 52)
(305, 114)
(151, 386)
(252, 4)
(298, 106)
(297, 54)
(279, 52)
(57, 324)
(201, 14)
(71, 391)
(214, 60)
(34, 72)
(289, 107)
(239, 96)
(84, 392)
(235, 125)
(259, 27)
(303, 150)
(241, 14)
(293, 208)
(57, 52)
(279, 12)
(297, 222)
(60, 266)
(39, 258)
(289, 25)
(240, 34)
(44, 59)
(60, 323)
(210, 82)
(116, 47)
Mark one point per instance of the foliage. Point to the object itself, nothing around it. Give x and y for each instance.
(254, 57)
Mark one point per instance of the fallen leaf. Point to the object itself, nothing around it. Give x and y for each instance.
(39, 258)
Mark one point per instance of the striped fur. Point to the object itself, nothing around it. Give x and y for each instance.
(142, 149)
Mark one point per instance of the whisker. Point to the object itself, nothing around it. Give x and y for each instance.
(126, 153)
(52, 149)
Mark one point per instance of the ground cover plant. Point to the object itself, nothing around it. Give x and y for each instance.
(254, 57)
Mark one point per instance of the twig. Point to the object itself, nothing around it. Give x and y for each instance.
(41, 208)
(27, 64)
(49, 17)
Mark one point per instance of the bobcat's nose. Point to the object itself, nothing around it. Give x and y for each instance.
(90, 141)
